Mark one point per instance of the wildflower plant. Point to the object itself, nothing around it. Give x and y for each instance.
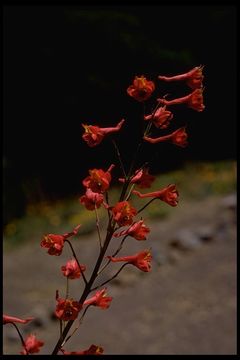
(123, 219)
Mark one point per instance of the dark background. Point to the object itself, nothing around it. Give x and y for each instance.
(67, 65)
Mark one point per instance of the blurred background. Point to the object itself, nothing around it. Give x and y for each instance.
(64, 66)
(68, 65)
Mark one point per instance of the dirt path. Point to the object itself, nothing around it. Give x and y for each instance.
(186, 305)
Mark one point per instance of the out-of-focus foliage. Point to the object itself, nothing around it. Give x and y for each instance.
(194, 181)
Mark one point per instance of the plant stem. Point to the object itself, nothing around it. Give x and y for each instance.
(103, 249)
(97, 226)
(75, 257)
(130, 191)
(88, 285)
(21, 338)
(76, 328)
(113, 277)
(146, 205)
(119, 158)
(67, 288)
(116, 252)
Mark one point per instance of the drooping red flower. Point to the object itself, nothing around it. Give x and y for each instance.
(123, 213)
(169, 195)
(32, 345)
(94, 134)
(196, 100)
(67, 309)
(141, 89)
(193, 100)
(193, 77)
(161, 118)
(99, 299)
(55, 243)
(99, 180)
(178, 137)
(92, 350)
(138, 231)
(71, 269)
(141, 260)
(141, 178)
(91, 199)
(11, 319)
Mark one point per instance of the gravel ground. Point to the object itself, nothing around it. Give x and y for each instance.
(185, 305)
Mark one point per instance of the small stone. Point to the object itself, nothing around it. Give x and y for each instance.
(229, 202)
(206, 233)
(185, 240)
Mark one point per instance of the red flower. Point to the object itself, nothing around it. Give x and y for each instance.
(94, 134)
(93, 350)
(123, 213)
(178, 137)
(99, 180)
(99, 299)
(141, 178)
(141, 260)
(193, 100)
(141, 89)
(67, 309)
(138, 230)
(193, 77)
(71, 269)
(55, 243)
(196, 100)
(91, 199)
(32, 345)
(160, 118)
(169, 194)
(11, 319)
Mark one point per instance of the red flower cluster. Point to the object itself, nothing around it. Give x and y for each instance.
(141, 260)
(7, 319)
(193, 100)
(32, 345)
(160, 118)
(71, 269)
(96, 186)
(138, 231)
(91, 200)
(123, 213)
(55, 243)
(193, 77)
(168, 195)
(141, 178)
(99, 299)
(94, 134)
(178, 137)
(141, 89)
(98, 180)
(67, 309)
(92, 350)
